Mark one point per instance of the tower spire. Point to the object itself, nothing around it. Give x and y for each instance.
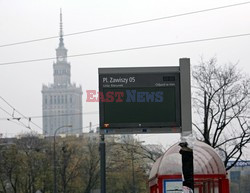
(61, 44)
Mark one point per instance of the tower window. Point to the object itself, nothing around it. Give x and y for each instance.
(66, 99)
(54, 99)
(50, 99)
(45, 100)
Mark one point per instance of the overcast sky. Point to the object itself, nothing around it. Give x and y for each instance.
(20, 20)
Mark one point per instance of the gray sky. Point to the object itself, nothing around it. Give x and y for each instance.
(20, 84)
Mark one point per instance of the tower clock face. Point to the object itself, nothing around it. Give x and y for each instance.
(60, 58)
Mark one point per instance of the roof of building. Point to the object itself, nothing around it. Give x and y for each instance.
(206, 161)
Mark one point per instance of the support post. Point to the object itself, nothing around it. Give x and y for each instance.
(186, 123)
(187, 166)
(185, 82)
(102, 163)
(133, 171)
(54, 163)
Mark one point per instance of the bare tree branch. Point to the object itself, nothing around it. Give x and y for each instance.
(222, 95)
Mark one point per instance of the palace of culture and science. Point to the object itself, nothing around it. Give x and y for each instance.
(62, 100)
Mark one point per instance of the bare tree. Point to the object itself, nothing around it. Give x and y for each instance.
(90, 166)
(69, 162)
(221, 103)
(31, 148)
(10, 170)
(132, 161)
(151, 152)
(78, 165)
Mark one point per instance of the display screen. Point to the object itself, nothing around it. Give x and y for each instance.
(141, 105)
(143, 100)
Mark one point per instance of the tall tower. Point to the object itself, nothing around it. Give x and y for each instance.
(61, 67)
(62, 101)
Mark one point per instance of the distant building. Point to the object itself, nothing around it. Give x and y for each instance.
(62, 100)
(239, 176)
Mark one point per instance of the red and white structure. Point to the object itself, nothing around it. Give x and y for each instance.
(209, 172)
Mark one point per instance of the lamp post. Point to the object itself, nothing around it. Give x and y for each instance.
(54, 155)
(134, 190)
(133, 172)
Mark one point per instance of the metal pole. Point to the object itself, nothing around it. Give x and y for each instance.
(133, 171)
(54, 156)
(102, 164)
(187, 165)
(186, 123)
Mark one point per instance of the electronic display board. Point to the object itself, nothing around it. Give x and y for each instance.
(139, 100)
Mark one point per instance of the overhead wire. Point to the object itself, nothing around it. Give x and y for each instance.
(64, 133)
(124, 49)
(55, 115)
(75, 129)
(29, 119)
(20, 123)
(133, 48)
(12, 117)
(127, 24)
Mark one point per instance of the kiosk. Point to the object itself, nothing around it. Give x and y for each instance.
(209, 172)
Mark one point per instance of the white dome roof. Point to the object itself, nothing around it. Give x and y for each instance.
(206, 161)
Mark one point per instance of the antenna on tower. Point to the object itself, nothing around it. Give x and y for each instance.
(61, 29)
(61, 24)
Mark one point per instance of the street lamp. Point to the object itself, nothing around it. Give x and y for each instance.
(133, 167)
(54, 154)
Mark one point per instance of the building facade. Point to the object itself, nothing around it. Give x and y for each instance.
(62, 100)
(239, 176)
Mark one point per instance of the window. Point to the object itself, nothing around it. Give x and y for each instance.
(51, 100)
(235, 176)
(54, 99)
(66, 98)
(45, 100)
